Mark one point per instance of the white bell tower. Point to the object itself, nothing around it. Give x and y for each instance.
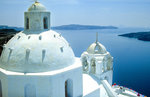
(97, 61)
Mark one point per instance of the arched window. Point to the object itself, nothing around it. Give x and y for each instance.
(68, 88)
(85, 64)
(30, 91)
(103, 68)
(27, 23)
(109, 63)
(45, 23)
(0, 89)
(93, 66)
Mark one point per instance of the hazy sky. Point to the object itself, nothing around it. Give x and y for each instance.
(129, 13)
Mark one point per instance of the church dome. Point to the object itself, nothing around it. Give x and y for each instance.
(37, 7)
(36, 52)
(96, 48)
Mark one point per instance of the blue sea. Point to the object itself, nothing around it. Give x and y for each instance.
(131, 67)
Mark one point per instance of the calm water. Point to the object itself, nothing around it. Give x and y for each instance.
(131, 56)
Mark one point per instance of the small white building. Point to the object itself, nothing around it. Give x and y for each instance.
(39, 62)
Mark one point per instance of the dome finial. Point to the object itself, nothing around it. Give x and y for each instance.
(35, 1)
(96, 37)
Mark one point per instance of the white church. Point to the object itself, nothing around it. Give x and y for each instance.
(39, 62)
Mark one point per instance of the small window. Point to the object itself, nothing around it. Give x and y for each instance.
(45, 22)
(40, 37)
(103, 68)
(85, 64)
(29, 37)
(69, 88)
(27, 23)
(61, 49)
(43, 54)
(27, 54)
(93, 66)
(19, 37)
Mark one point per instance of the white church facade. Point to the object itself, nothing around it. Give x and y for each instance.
(39, 62)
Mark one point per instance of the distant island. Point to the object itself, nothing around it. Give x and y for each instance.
(82, 27)
(10, 27)
(144, 36)
(65, 27)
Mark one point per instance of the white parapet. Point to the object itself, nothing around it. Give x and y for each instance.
(108, 89)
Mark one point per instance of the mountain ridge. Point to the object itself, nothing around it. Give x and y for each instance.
(82, 27)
